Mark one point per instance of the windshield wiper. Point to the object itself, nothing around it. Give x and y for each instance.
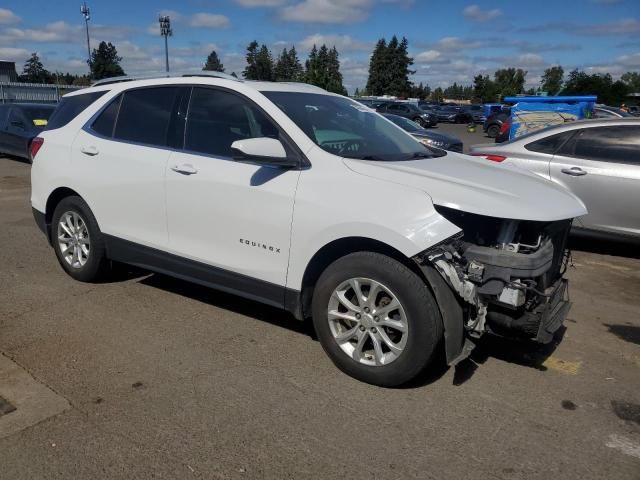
(421, 155)
(366, 157)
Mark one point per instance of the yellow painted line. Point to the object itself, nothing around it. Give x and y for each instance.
(562, 366)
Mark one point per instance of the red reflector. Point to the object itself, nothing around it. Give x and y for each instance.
(493, 158)
(36, 143)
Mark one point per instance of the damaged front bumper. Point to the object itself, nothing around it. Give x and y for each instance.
(504, 289)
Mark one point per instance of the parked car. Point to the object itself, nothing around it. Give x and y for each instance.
(452, 114)
(603, 111)
(371, 103)
(19, 124)
(393, 248)
(426, 137)
(411, 111)
(597, 160)
(493, 123)
(476, 112)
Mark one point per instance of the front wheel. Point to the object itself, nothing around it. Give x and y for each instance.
(376, 319)
(420, 121)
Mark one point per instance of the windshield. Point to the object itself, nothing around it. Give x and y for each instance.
(406, 124)
(346, 128)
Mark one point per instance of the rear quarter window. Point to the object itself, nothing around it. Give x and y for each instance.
(549, 144)
(70, 107)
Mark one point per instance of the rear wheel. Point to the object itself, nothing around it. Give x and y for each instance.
(376, 319)
(420, 121)
(77, 240)
(493, 131)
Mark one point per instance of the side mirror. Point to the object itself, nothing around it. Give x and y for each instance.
(262, 151)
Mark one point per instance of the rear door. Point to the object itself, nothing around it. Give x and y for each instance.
(122, 158)
(601, 165)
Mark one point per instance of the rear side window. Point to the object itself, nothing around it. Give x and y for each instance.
(619, 144)
(70, 107)
(549, 144)
(145, 114)
(105, 122)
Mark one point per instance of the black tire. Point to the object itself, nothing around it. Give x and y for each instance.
(420, 121)
(493, 130)
(424, 322)
(96, 265)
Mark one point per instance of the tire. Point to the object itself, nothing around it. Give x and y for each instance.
(417, 311)
(493, 130)
(420, 121)
(91, 263)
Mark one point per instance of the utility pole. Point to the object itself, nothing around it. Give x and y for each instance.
(166, 32)
(84, 10)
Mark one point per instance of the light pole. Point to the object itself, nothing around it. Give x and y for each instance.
(84, 10)
(166, 32)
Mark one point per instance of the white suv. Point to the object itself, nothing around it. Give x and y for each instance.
(309, 201)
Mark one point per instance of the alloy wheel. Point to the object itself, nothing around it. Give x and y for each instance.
(73, 239)
(367, 321)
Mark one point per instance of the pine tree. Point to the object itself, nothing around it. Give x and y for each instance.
(213, 63)
(399, 84)
(251, 70)
(33, 71)
(105, 62)
(377, 67)
(323, 69)
(264, 64)
(297, 72)
(356, 93)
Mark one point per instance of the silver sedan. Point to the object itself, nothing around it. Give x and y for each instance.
(597, 160)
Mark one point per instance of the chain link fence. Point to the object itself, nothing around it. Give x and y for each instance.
(14, 92)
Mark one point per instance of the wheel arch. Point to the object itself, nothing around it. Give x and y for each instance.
(55, 197)
(336, 249)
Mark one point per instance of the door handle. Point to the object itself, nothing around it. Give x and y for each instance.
(186, 169)
(574, 171)
(91, 150)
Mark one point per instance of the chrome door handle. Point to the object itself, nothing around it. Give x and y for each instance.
(91, 150)
(186, 169)
(574, 171)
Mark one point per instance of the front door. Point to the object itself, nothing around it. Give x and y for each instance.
(601, 165)
(233, 216)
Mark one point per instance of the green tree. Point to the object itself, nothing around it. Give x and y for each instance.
(213, 63)
(437, 95)
(484, 89)
(288, 67)
(552, 79)
(34, 72)
(323, 69)
(599, 84)
(356, 93)
(632, 81)
(250, 72)
(509, 81)
(105, 62)
(399, 63)
(264, 64)
(378, 69)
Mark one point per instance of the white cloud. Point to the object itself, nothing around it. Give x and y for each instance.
(61, 32)
(7, 17)
(327, 11)
(14, 54)
(428, 56)
(344, 43)
(477, 14)
(208, 20)
(529, 59)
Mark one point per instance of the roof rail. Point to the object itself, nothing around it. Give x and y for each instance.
(129, 78)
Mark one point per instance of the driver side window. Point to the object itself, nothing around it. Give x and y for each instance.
(217, 118)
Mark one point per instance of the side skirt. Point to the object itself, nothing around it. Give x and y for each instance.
(190, 270)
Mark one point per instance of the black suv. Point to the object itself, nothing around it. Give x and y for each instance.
(411, 111)
(493, 123)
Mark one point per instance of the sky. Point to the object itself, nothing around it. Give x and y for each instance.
(450, 41)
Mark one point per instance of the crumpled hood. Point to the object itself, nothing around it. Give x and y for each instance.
(478, 186)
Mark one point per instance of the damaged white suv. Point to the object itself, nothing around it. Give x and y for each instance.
(308, 201)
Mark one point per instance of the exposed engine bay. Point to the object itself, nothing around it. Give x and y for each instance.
(507, 273)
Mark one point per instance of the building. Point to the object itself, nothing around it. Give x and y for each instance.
(8, 71)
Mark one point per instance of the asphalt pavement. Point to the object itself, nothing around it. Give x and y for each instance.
(145, 376)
